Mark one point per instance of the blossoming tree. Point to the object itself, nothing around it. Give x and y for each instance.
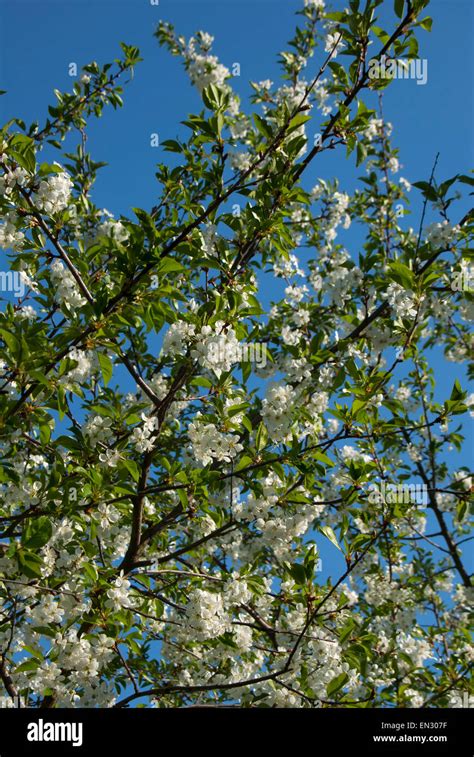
(160, 539)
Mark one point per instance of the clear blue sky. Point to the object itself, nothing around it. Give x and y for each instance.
(39, 39)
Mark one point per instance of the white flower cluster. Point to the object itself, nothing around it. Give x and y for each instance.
(333, 42)
(441, 235)
(349, 453)
(236, 591)
(381, 590)
(177, 338)
(113, 229)
(67, 290)
(26, 313)
(85, 656)
(206, 615)
(119, 595)
(418, 649)
(217, 349)
(97, 429)
(204, 69)
(319, 402)
(374, 129)
(321, 95)
(159, 385)
(340, 278)
(464, 478)
(240, 126)
(210, 237)
(401, 300)
(106, 516)
(291, 336)
(142, 435)
(253, 507)
(292, 95)
(278, 533)
(405, 184)
(240, 160)
(15, 178)
(208, 443)
(111, 530)
(403, 394)
(294, 294)
(321, 657)
(10, 237)
(463, 601)
(46, 611)
(337, 215)
(54, 193)
(393, 164)
(73, 664)
(458, 352)
(414, 453)
(86, 363)
(288, 267)
(277, 410)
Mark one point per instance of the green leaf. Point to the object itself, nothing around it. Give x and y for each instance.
(426, 23)
(45, 433)
(132, 468)
(22, 149)
(183, 498)
(169, 264)
(329, 533)
(244, 462)
(106, 366)
(398, 7)
(427, 190)
(346, 631)
(11, 341)
(61, 401)
(29, 563)
(298, 573)
(457, 392)
(214, 98)
(262, 437)
(246, 423)
(91, 571)
(28, 665)
(262, 126)
(466, 179)
(45, 631)
(171, 145)
(297, 121)
(361, 153)
(336, 684)
(402, 274)
(323, 458)
(201, 381)
(37, 533)
(461, 510)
